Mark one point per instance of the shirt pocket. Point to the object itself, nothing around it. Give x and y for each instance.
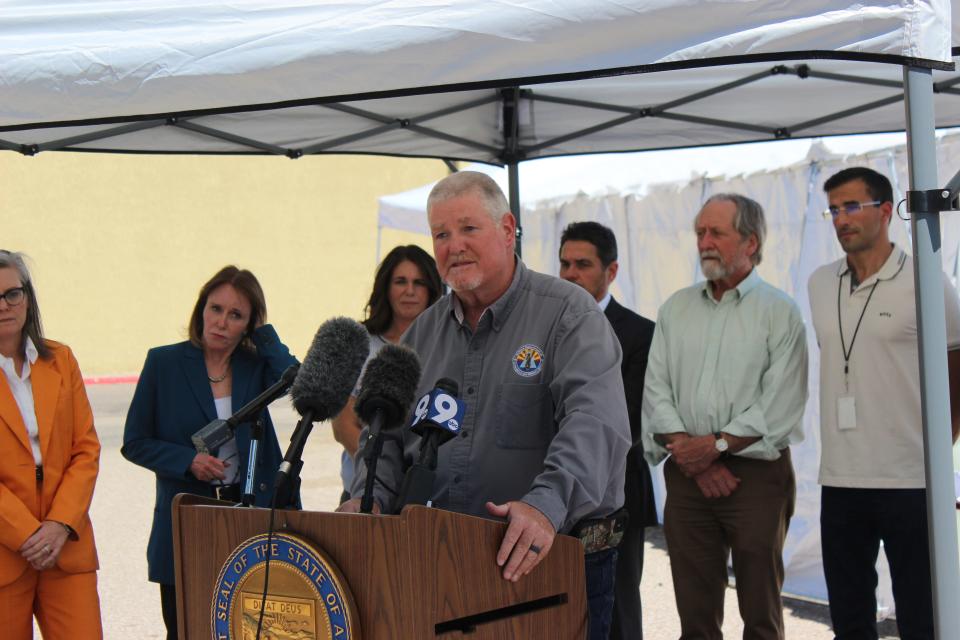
(524, 415)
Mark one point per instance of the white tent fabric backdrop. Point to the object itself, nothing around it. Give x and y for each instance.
(658, 257)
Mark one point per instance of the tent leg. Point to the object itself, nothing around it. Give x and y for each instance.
(931, 330)
(513, 181)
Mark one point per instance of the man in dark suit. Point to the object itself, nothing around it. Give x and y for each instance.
(588, 257)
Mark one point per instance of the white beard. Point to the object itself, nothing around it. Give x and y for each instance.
(714, 269)
(464, 282)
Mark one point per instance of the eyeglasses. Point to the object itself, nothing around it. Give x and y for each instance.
(849, 208)
(13, 296)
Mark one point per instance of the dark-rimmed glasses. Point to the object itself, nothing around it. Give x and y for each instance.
(13, 296)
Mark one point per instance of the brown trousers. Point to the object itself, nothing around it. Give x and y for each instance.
(751, 524)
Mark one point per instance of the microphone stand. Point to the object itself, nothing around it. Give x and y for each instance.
(417, 487)
(373, 450)
(286, 483)
(256, 441)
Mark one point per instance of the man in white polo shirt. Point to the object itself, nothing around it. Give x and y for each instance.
(871, 466)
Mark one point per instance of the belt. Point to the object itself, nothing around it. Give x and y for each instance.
(229, 492)
(600, 534)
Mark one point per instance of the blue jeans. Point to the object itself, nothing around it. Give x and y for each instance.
(601, 568)
(852, 524)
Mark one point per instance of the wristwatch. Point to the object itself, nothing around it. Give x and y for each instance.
(721, 445)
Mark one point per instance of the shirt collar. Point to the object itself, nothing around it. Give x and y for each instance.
(500, 309)
(889, 270)
(604, 301)
(746, 285)
(31, 353)
(30, 350)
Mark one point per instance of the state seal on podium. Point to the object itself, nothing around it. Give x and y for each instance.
(307, 598)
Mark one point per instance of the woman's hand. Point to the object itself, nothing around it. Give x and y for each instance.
(206, 468)
(43, 548)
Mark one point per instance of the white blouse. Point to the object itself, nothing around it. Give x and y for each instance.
(22, 389)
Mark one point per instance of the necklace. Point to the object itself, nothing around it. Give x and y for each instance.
(221, 378)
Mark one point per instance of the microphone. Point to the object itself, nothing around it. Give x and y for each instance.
(386, 390)
(323, 384)
(437, 418)
(220, 431)
(330, 369)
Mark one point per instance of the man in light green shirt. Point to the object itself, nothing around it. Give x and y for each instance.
(724, 395)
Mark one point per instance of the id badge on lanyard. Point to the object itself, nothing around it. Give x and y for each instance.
(846, 403)
(846, 413)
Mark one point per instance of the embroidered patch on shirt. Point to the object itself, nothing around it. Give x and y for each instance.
(528, 360)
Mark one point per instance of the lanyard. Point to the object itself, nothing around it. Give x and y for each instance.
(843, 346)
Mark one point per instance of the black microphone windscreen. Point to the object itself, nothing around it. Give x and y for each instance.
(389, 383)
(448, 385)
(330, 369)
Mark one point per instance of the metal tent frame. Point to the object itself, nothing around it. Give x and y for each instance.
(509, 103)
(514, 103)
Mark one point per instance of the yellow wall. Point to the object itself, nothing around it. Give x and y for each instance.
(120, 245)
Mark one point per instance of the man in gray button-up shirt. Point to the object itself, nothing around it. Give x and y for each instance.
(544, 439)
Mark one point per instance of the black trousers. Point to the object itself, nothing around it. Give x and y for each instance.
(853, 522)
(168, 606)
(639, 501)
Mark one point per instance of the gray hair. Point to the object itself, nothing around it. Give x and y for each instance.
(747, 220)
(33, 327)
(464, 182)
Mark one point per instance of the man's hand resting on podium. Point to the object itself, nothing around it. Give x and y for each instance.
(527, 541)
(353, 506)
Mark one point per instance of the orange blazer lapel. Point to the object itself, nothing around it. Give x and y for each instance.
(45, 380)
(10, 413)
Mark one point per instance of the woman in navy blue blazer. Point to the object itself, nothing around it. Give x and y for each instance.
(230, 358)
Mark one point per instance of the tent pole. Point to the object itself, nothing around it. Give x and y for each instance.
(931, 334)
(513, 186)
(511, 155)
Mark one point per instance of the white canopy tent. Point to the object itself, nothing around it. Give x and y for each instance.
(496, 82)
(656, 255)
(503, 81)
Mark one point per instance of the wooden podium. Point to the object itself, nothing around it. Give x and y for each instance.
(426, 573)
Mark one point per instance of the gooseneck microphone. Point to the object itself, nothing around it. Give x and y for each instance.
(437, 417)
(220, 431)
(323, 384)
(386, 391)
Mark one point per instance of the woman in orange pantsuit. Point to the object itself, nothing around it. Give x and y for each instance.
(49, 457)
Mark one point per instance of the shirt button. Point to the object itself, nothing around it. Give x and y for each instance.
(470, 390)
(456, 479)
(464, 434)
